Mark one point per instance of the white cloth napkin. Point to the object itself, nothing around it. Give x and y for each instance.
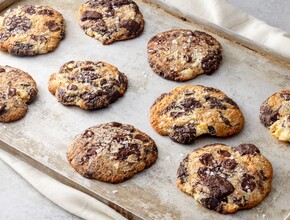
(219, 12)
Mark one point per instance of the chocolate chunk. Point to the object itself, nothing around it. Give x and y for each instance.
(101, 28)
(120, 3)
(262, 174)
(215, 103)
(32, 95)
(22, 49)
(88, 134)
(211, 203)
(103, 82)
(267, 115)
(131, 26)
(248, 184)
(211, 130)
(225, 153)
(240, 201)
(122, 79)
(2, 70)
(11, 92)
(285, 96)
(183, 134)
(115, 124)
(129, 128)
(230, 101)
(206, 159)
(45, 12)
(29, 9)
(2, 108)
(125, 152)
(187, 58)
(41, 39)
(211, 62)
(182, 173)
(211, 89)
(72, 87)
(93, 99)
(229, 164)
(52, 26)
(18, 24)
(225, 120)
(245, 149)
(4, 36)
(190, 104)
(219, 187)
(91, 15)
(141, 137)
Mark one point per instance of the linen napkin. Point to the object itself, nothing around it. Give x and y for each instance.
(219, 12)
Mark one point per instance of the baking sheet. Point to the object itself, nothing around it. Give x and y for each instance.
(42, 136)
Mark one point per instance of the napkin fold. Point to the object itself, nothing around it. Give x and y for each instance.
(219, 12)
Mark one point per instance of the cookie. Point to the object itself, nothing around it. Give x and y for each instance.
(190, 111)
(225, 178)
(30, 30)
(17, 90)
(111, 21)
(111, 152)
(89, 85)
(181, 55)
(275, 115)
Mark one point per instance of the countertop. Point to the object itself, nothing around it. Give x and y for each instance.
(19, 200)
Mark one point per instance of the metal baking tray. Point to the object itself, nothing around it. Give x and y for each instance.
(248, 74)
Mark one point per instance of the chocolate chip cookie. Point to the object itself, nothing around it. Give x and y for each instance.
(275, 115)
(225, 178)
(111, 152)
(111, 21)
(89, 85)
(30, 30)
(181, 55)
(17, 90)
(190, 111)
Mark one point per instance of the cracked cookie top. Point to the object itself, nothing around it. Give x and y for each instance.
(87, 84)
(30, 30)
(190, 111)
(111, 152)
(17, 89)
(225, 178)
(181, 55)
(111, 21)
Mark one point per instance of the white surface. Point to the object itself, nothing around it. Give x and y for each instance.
(18, 200)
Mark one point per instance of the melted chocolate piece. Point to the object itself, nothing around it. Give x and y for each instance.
(32, 95)
(52, 26)
(245, 149)
(182, 173)
(22, 49)
(91, 15)
(285, 96)
(183, 134)
(248, 184)
(211, 130)
(29, 9)
(45, 12)
(206, 159)
(225, 153)
(203, 172)
(230, 101)
(88, 134)
(72, 87)
(124, 152)
(229, 164)
(211, 62)
(219, 187)
(17, 24)
(211, 203)
(11, 92)
(225, 120)
(131, 26)
(115, 124)
(2, 70)
(141, 137)
(267, 115)
(190, 104)
(215, 103)
(4, 36)
(2, 108)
